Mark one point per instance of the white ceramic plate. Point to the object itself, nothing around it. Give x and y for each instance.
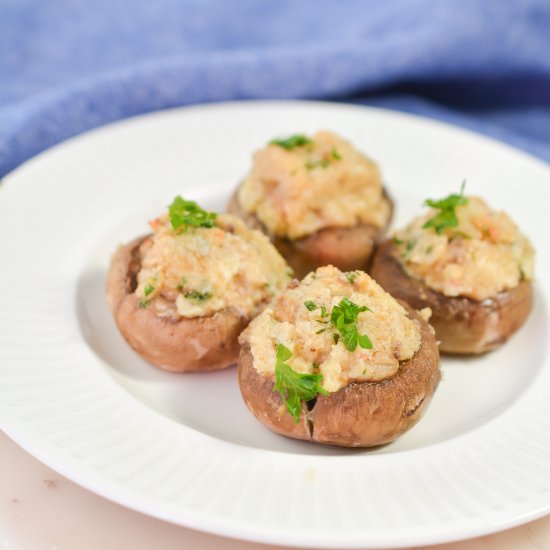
(183, 447)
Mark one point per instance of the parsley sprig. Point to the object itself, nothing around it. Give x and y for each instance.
(184, 214)
(446, 217)
(197, 296)
(148, 290)
(297, 140)
(294, 387)
(344, 318)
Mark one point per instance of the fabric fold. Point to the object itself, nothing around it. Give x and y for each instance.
(393, 54)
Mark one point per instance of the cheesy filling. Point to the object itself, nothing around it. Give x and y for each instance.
(309, 334)
(482, 256)
(324, 183)
(199, 271)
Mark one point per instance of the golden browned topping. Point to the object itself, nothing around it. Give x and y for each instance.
(300, 185)
(196, 270)
(342, 326)
(477, 254)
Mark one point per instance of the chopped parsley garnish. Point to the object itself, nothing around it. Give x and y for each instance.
(312, 306)
(149, 289)
(320, 331)
(460, 235)
(182, 283)
(344, 318)
(297, 140)
(197, 296)
(446, 217)
(397, 241)
(323, 163)
(144, 304)
(410, 245)
(335, 154)
(184, 214)
(352, 275)
(294, 387)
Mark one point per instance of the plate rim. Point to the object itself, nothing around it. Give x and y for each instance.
(297, 102)
(239, 533)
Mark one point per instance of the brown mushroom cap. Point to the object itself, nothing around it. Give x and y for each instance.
(463, 325)
(347, 248)
(188, 344)
(361, 414)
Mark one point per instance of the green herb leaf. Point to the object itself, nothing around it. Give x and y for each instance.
(344, 318)
(310, 306)
(294, 387)
(460, 235)
(182, 283)
(289, 143)
(410, 245)
(323, 312)
(446, 217)
(149, 289)
(397, 241)
(364, 341)
(197, 296)
(323, 163)
(349, 337)
(335, 154)
(184, 214)
(351, 276)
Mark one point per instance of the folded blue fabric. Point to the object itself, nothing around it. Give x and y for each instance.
(70, 65)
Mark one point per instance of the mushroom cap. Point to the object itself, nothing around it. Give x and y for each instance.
(361, 414)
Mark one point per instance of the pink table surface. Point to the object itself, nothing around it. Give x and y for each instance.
(40, 509)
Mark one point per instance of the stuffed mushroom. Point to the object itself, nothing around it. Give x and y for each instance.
(319, 199)
(469, 264)
(336, 360)
(181, 295)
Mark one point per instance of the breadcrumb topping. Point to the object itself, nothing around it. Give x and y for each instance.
(308, 333)
(199, 271)
(322, 183)
(483, 255)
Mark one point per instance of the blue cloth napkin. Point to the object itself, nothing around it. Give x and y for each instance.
(70, 65)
